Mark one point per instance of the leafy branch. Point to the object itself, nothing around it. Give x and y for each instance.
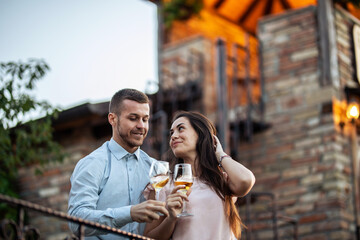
(23, 141)
(180, 10)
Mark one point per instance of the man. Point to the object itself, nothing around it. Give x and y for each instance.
(107, 185)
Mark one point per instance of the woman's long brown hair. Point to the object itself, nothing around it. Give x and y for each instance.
(206, 165)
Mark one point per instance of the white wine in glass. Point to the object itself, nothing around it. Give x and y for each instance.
(183, 176)
(159, 176)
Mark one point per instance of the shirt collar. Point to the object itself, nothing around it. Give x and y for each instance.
(119, 152)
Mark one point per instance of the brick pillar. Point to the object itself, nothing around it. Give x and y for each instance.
(301, 158)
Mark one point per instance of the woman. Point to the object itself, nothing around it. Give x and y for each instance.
(218, 181)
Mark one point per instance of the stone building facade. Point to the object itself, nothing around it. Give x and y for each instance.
(303, 157)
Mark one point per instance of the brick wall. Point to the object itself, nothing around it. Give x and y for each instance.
(189, 61)
(301, 158)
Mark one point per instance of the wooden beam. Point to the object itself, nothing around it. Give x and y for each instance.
(285, 4)
(218, 4)
(250, 9)
(268, 7)
(233, 22)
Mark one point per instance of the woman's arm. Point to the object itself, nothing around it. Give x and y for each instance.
(164, 227)
(240, 179)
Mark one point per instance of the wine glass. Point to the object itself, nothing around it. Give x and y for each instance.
(159, 176)
(183, 176)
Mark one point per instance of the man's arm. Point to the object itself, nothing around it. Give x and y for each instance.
(86, 183)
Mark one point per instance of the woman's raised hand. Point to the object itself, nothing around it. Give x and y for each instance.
(218, 148)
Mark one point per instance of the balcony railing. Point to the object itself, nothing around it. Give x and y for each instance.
(261, 215)
(11, 230)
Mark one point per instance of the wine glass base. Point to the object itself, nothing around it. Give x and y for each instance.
(185, 214)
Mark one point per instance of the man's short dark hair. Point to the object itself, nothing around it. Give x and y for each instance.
(126, 93)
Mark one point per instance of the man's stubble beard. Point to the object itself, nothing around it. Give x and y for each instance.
(127, 139)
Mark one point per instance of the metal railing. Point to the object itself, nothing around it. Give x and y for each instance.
(11, 230)
(251, 198)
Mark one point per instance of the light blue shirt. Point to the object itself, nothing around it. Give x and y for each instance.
(104, 186)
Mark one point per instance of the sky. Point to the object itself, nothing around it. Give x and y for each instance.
(93, 47)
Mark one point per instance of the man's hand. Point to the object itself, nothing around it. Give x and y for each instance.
(148, 211)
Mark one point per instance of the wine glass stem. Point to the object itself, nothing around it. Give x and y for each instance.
(184, 207)
(157, 193)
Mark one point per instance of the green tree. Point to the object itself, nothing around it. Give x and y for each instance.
(180, 10)
(23, 141)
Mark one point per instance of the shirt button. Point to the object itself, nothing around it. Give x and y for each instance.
(129, 169)
(131, 189)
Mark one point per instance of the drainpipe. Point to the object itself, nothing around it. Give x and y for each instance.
(160, 34)
(222, 108)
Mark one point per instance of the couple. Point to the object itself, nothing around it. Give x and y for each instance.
(107, 186)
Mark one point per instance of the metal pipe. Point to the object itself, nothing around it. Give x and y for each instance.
(249, 126)
(160, 34)
(262, 85)
(221, 93)
(163, 125)
(236, 96)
